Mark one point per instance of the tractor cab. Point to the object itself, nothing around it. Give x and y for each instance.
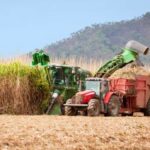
(98, 85)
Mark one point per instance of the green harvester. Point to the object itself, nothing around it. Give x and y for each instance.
(64, 81)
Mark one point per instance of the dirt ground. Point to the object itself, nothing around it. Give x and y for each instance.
(74, 133)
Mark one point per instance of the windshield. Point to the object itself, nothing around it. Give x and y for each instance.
(93, 85)
(57, 76)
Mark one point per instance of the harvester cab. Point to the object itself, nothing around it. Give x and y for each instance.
(65, 75)
(64, 81)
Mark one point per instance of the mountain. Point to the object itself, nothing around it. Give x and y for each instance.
(103, 41)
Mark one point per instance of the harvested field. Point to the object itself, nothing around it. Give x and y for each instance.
(74, 133)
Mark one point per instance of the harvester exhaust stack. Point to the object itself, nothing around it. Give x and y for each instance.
(137, 47)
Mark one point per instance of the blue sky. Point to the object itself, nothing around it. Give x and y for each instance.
(29, 24)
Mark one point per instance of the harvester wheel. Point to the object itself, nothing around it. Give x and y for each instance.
(93, 107)
(148, 108)
(70, 111)
(114, 106)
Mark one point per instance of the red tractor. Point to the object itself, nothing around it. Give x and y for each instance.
(94, 100)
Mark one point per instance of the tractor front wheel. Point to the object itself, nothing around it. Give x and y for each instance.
(70, 111)
(114, 106)
(93, 107)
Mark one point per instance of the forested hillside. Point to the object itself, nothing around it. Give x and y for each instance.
(102, 41)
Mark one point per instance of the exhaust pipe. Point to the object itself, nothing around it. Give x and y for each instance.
(137, 47)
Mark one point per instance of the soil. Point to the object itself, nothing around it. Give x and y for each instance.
(74, 133)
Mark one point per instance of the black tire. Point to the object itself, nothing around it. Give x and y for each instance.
(93, 107)
(70, 111)
(113, 106)
(62, 108)
(148, 108)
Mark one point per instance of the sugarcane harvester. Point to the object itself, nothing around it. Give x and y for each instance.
(64, 81)
(97, 98)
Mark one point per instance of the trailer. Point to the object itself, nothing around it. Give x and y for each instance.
(134, 95)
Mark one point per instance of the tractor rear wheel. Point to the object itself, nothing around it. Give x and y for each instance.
(148, 108)
(114, 106)
(93, 107)
(70, 111)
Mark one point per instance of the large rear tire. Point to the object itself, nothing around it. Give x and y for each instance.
(114, 106)
(93, 107)
(148, 108)
(70, 111)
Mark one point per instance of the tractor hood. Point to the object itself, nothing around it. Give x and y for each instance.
(84, 97)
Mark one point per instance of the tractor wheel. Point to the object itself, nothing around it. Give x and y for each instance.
(70, 111)
(93, 107)
(114, 106)
(148, 108)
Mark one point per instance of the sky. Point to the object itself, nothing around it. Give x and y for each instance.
(29, 24)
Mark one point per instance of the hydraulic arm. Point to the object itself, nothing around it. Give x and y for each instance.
(129, 54)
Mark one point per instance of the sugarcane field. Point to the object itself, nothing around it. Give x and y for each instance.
(75, 75)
